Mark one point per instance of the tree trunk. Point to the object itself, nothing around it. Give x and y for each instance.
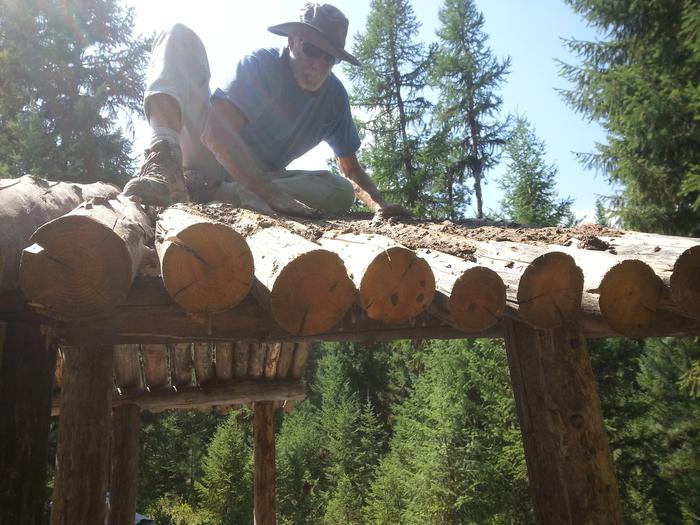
(206, 266)
(181, 364)
(26, 379)
(306, 289)
(82, 457)
(224, 361)
(469, 296)
(394, 284)
(127, 369)
(27, 203)
(155, 365)
(265, 507)
(125, 463)
(570, 467)
(82, 264)
(203, 363)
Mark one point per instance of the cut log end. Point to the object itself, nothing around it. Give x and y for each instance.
(629, 296)
(397, 286)
(208, 267)
(685, 282)
(478, 300)
(312, 293)
(550, 291)
(77, 268)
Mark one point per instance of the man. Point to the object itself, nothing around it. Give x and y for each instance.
(277, 106)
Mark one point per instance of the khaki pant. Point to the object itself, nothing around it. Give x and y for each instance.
(179, 67)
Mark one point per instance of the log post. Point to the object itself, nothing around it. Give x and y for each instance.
(264, 494)
(306, 288)
(82, 456)
(82, 264)
(125, 461)
(27, 203)
(570, 467)
(394, 283)
(206, 266)
(26, 379)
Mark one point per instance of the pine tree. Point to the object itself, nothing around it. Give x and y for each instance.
(226, 489)
(388, 87)
(456, 455)
(467, 77)
(529, 183)
(68, 70)
(640, 81)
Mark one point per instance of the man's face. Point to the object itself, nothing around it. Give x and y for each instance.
(310, 65)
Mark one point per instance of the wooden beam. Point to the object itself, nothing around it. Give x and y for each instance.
(236, 393)
(82, 264)
(125, 461)
(264, 484)
(305, 288)
(27, 203)
(26, 378)
(570, 467)
(206, 266)
(82, 456)
(393, 283)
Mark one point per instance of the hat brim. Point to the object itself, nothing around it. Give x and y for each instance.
(313, 35)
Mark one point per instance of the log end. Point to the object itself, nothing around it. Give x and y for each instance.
(629, 295)
(77, 268)
(207, 268)
(312, 293)
(685, 282)
(550, 291)
(397, 286)
(478, 300)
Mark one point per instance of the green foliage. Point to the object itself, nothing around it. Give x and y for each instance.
(226, 488)
(456, 455)
(173, 445)
(68, 70)
(529, 183)
(174, 511)
(388, 88)
(642, 83)
(467, 77)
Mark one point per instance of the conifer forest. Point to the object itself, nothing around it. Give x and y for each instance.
(424, 431)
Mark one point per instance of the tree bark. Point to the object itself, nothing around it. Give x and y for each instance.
(181, 364)
(206, 266)
(203, 363)
(82, 457)
(127, 369)
(570, 467)
(26, 379)
(306, 289)
(264, 497)
(82, 264)
(27, 203)
(125, 462)
(394, 284)
(469, 296)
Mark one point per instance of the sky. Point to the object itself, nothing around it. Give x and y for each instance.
(529, 31)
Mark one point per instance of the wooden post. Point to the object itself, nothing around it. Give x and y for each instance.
(125, 461)
(82, 456)
(570, 467)
(26, 378)
(264, 423)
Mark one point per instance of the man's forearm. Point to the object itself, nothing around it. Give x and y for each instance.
(365, 189)
(221, 137)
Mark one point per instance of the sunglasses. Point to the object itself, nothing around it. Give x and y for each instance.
(313, 52)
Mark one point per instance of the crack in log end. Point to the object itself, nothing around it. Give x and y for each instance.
(176, 241)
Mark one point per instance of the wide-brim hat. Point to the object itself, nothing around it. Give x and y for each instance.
(323, 25)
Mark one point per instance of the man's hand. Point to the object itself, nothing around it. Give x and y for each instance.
(384, 211)
(287, 205)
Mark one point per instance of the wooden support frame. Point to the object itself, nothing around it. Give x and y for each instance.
(82, 456)
(126, 425)
(570, 467)
(27, 364)
(264, 483)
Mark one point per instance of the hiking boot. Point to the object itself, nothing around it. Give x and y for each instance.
(161, 181)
